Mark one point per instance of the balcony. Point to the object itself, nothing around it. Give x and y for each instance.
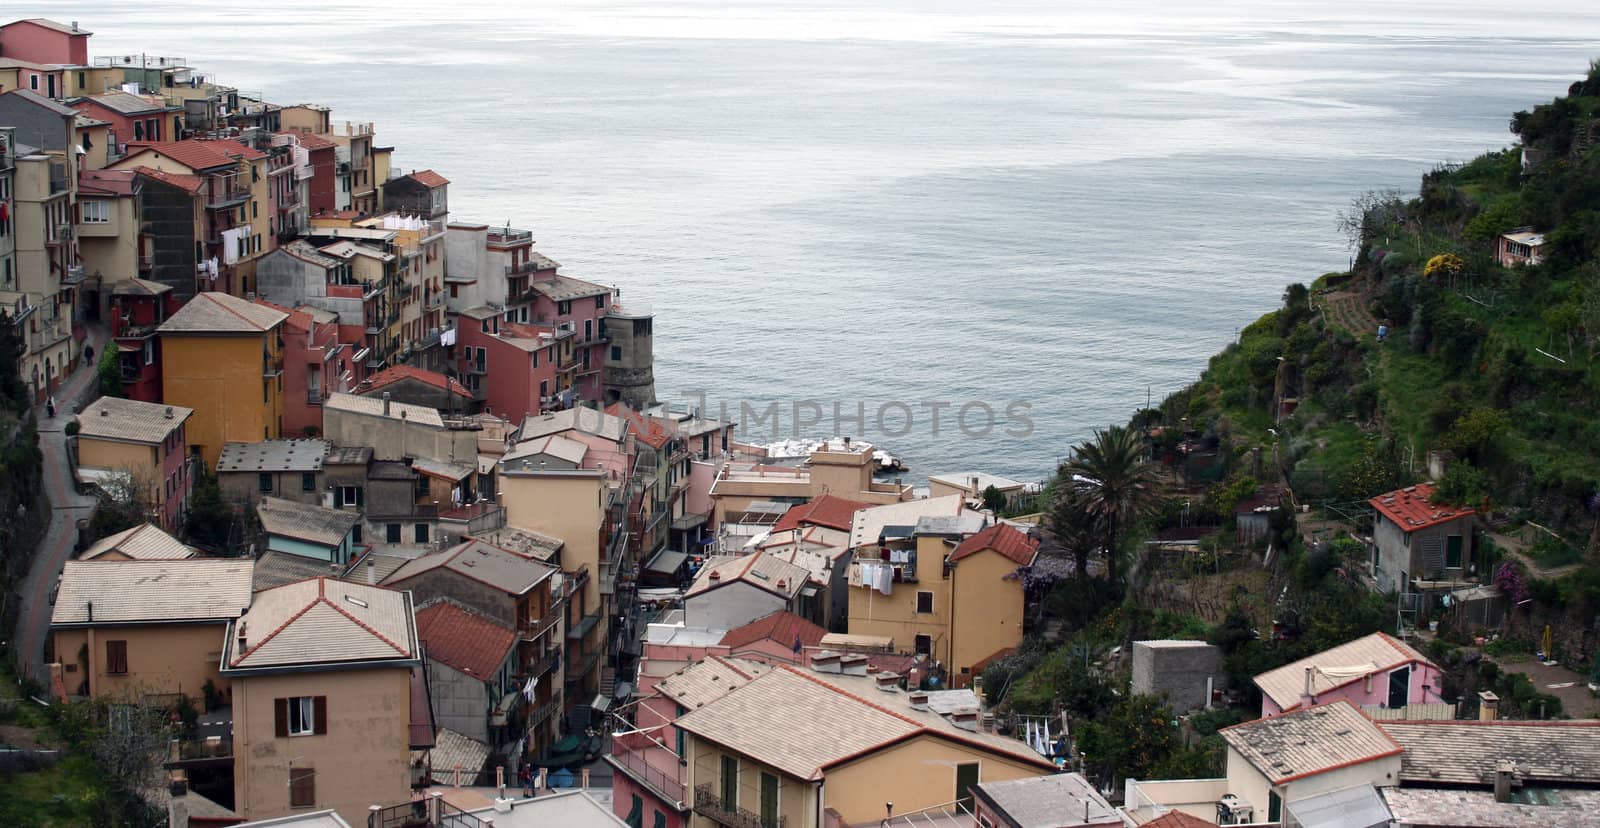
(272, 366)
(509, 235)
(631, 754)
(543, 665)
(543, 712)
(529, 266)
(536, 628)
(580, 630)
(583, 667)
(225, 195)
(709, 804)
(73, 276)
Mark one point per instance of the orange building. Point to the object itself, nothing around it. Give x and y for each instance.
(223, 357)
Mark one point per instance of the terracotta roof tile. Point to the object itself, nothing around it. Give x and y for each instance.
(389, 376)
(646, 430)
(214, 312)
(464, 640)
(1178, 819)
(1411, 508)
(1002, 538)
(782, 626)
(827, 510)
(196, 155)
(188, 183)
(313, 141)
(429, 178)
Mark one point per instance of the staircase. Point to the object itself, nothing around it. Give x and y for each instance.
(608, 681)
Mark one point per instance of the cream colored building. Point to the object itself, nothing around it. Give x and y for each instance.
(948, 588)
(145, 445)
(145, 542)
(329, 699)
(146, 627)
(822, 748)
(971, 485)
(840, 467)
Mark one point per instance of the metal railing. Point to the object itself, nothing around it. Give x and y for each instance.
(543, 712)
(634, 763)
(709, 804)
(509, 235)
(229, 195)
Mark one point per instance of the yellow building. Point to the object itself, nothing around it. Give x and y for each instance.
(948, 591)
(146, 627)
(139, 445)
(833, 746)
(223, 357)
(329, 699)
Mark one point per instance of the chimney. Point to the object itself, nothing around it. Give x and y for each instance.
(888, 682)
(372, 572)
(988, 723)
(1488, 706)
(74, 25)
(918, 699)
(1308, 696)
(826, 661)
(169, 412)
(966, 719)
(715, 576)
(244, 641)
(1504, 776)
(386, 403)
(89, 608)
(854, 664)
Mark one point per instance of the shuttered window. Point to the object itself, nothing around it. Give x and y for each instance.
(769, 801)
(302, 787)
(300, 716)
(730, 782)
(116, 657)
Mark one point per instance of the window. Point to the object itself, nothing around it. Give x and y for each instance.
(924, 602)
(966, 778)
(392, 532)
(300, 716)
(264, 482)
(730, 782)
(302, 787)
(636, 813)
(255, 210)
(769, 801)
(422, 484)
(33, 83)
(349, 496)
(616, 353)
(1452, 552)
(117, 657)
(600, 303)
(308, 482)
(564, 308)
(679, 746)
(924, 645)
(355, 533)
(421, 532)
(95, 211)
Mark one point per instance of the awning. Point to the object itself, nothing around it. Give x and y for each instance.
(601, 703)
(666, 562)
(1358, 807)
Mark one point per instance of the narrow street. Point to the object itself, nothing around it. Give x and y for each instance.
(67, 507)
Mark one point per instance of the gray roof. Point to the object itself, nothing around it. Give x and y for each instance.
(322, 621)
(524, 542)
(274, 569)
(214, 312)
(374, 408)
(440, 468)
(130, 421)
(1357, 807)
(127, 103)
(488, 564)
(586, 420)
(565, 288)
(145, 542)
(1466, 752)
(273, 456)
(139, 287)
(305, 251)
(568, 809)
(348, 455)
(704, 682)
(453, 750)
(1309, 741)
(134, 592)
(39, 100)
(1055, 801)
(303, 521)
(966, 523)
(1565, 807)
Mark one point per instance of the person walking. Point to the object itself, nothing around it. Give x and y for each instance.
(526, 777)
(88, 355)
(50, 406)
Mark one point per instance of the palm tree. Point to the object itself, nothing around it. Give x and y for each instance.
(1075, 527)
(1116, 484)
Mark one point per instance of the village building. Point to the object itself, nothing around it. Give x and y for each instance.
(222, 357)
(285, 469)
(145, 542)
(1520, 247)
(307, 530)
(1421, 546)
(138, 308)
(733, 591)
(1064, 800)
(1376, 671)
(140, 450)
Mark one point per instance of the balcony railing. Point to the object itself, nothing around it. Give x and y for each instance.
(509, 235)
(271, 366)
(543, 712)
(227, 195)
(635, 763)
(543, 665)
(146, 264)
(539, 626)
(709, 804)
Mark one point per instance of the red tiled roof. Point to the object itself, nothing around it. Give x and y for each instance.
(648, 431)
(781, 626)
(313, 141)
(389, 376)
(196, 155)
(106, 182)
(1410, 508)
(187, 183)
(828, 510)
(298, 319)
(429, 178)
(464, 640)
(1002, 538)
(232, 146)
(1178, 819)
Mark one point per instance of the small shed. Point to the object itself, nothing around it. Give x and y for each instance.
(1186, 672)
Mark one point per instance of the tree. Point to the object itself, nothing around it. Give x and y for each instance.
(1116, 483)
(210, 521)
(13, 390)
(1075, 527)
(109, 373)
(1137, 736)
(127, 499)
(993, 499)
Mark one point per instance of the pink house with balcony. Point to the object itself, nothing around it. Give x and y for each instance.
(314, 364)
(138, 308)
(39, 40)
(524, 359)
(1374, 671)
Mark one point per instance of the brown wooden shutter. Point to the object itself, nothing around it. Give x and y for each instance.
(319, 714)
(116, 656)
(280, 717)
(302, 787)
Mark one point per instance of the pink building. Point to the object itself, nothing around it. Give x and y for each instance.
(133, 117)
(138, 308)
(312, 361)
(45, 41)
(1377, 670)
(525, 360)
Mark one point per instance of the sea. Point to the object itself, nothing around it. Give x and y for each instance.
(969, 232)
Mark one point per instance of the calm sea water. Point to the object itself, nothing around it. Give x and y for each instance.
(895, 205)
